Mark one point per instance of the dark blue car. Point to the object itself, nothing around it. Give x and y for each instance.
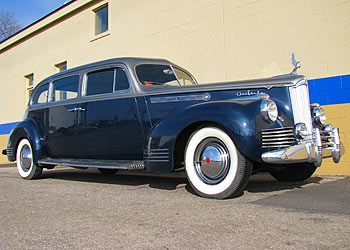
(135, 113)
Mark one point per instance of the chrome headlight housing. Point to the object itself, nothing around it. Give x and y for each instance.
(269, 110)
(318, 115)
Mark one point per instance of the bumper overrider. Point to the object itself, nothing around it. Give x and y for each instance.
(321, 144)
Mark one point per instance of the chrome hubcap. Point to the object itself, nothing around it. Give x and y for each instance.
(212, 161)
(26, 158)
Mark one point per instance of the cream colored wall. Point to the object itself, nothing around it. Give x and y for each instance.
(216, 40)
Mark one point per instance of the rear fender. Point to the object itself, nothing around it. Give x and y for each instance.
(30, 130)
(238, 119)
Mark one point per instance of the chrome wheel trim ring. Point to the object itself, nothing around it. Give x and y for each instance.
(211, 160)
(26, 158)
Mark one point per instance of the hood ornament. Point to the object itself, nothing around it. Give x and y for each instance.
(296, 64)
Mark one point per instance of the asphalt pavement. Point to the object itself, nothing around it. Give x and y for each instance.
(77, 209)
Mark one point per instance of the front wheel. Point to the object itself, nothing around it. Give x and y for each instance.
(293, 172)
(214, 166)
(26, 167)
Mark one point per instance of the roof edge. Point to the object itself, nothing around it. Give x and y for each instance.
(30, 29)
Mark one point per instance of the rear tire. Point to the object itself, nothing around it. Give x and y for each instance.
(214, 166)
(26, 167)
(293, 172)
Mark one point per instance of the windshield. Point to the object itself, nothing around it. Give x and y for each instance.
(153, 74)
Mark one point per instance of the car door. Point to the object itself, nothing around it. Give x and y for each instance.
(109, 126)
(63, 117)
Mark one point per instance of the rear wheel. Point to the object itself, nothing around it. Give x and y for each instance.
(214, 166)
(293, 172)
(25, 164)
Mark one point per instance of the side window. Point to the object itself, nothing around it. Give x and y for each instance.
(40, 95)
(66, 88)
(106, 81)
(99, 82)
(121, 81)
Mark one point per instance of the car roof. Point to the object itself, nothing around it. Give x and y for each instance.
(130, 62)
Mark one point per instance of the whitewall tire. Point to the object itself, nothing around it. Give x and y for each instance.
(25, 164)
(214, 166)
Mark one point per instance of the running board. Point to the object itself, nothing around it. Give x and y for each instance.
(88, 163)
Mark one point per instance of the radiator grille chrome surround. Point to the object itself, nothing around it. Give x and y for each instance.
(299, 95)
(277, 137)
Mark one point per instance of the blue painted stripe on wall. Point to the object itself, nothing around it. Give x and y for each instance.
(6, 128)
(330, 90)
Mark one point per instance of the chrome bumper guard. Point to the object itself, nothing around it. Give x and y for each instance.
(324, 144)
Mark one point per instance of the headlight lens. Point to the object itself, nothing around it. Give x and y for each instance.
(269, 110)
(319, 116)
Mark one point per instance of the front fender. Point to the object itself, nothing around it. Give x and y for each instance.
(26, 129)
(239, 119)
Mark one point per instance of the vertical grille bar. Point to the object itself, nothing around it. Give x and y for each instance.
(301, 104)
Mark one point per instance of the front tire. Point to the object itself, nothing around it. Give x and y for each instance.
(214, 166)
(26, 167)
(294, 172)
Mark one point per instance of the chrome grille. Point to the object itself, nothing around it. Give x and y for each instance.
(277, 137)
(299, 95)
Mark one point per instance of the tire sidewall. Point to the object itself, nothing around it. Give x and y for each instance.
(196, 182)
(31, 172)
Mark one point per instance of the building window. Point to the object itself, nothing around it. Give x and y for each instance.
(61, 66)
(101, 20)
(29, 81)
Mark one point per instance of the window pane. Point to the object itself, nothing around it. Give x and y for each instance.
(184, 78)
(66, 88)
(152, 74)
(40, 96)
(100, 82)
(101, 23)
(121, 80)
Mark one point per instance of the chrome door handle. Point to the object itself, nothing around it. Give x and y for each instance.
(79, 109)
(76, 109)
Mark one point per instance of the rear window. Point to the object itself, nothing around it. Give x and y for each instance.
(40, 95)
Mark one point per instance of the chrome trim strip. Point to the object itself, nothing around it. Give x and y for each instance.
(200, 97)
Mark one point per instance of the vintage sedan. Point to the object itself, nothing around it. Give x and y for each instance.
(150, 114)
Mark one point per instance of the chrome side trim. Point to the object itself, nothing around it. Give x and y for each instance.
(119, 164)
(157, 155)
(200, 97)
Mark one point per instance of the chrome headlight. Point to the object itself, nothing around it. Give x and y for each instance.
(318, 115)
(269, 110)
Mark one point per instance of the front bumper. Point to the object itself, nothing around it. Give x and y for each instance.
(323, 144)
